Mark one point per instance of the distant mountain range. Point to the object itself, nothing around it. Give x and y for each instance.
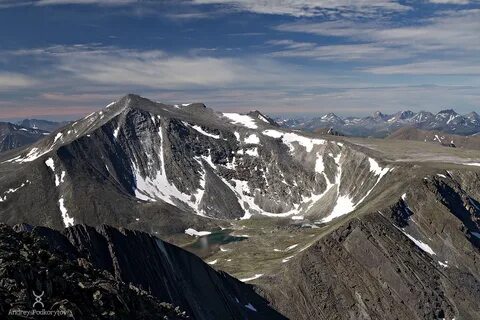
(44, 125)
(13, 136)
(25, 132)
(381, 125)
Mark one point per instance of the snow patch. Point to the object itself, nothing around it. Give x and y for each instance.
(253, 152)
(252, 139)
(241, 119)
(200, 130)
(250, 307)
(291, 247)
(319, 165)
(157, 186)
(194, 233)
(422, 245)
(260, 117)
(443, 264)
(375, 167)
(290, 138)
(116, 132)
(256, 276)
(13, 190)
(67, 220)
(51, 164)
(345, 204)
(477, 164)
(57, 137)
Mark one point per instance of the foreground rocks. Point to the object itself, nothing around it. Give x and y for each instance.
(107, 273)
(28, 267)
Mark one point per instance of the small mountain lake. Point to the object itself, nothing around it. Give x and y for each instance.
(207, 245)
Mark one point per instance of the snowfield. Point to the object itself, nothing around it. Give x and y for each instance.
(242, 120)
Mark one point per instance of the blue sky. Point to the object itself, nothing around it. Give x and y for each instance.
(62, 59)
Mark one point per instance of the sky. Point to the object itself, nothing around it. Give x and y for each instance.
(62, 59)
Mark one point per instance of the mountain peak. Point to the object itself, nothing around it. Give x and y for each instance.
(330, 116)
(473, 115)
(258, 115)
(448, 111)
(406, 114)
(378, 114)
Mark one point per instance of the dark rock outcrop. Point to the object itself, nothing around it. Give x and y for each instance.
(71, 287)
(119, 273)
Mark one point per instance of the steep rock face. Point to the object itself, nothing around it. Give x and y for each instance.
(416, 259)
(137, 160)
(67, 284)
(369, 270)
(168, 273)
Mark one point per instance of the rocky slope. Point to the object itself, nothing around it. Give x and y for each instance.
(117, 274)
(13, 136)
(380, 125)
(67, 283)
(437, 137)
(417, 258)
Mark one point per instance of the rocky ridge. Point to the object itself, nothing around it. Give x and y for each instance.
(107, 273)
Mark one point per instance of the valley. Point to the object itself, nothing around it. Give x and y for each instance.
(322, 226)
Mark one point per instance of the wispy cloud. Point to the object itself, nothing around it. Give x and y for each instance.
(308, 8)
(449, 30)
(119, 67)
(432, 67)
(335, 53)
(459, 2)
(446, 43)
(13, 3)
(11, 81)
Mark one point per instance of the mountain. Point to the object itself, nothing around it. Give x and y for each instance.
(323, 226)
(436, 137)
(380, 125)
(44, 125)
(13, 136)
(136, 160)
(120, 273)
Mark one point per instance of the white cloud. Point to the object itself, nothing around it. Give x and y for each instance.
(451, 1)
(308, 8)
(129, 68)
(448, 43)
(11, 81)
(336, 53)
(16, 3)
(456, 31)
(432, 67)
(100, 2)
